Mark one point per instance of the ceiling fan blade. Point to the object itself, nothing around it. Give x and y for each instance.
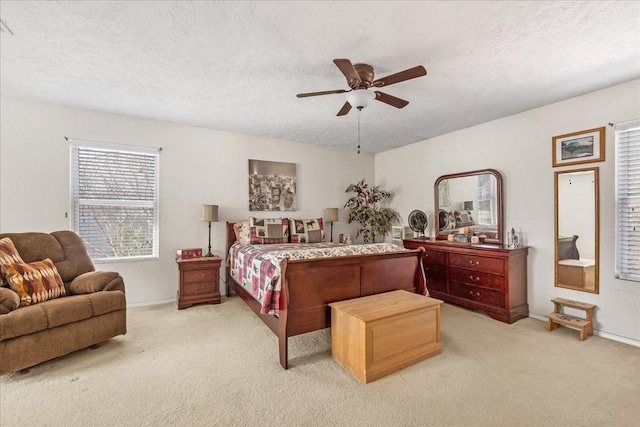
(347, 68)
(344, 110)
(326, 92)
(391, 100)
(409, 74)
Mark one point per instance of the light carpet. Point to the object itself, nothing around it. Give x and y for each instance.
(218, 365)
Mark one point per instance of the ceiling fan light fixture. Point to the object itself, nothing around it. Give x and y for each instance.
(360, 98)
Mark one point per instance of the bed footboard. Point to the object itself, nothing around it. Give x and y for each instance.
(308, 286)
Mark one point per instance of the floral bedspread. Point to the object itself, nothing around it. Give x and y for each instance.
(257, 267)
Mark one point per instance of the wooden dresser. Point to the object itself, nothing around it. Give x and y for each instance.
(485, 277)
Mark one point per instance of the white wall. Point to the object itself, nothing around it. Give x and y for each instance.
(197, 166)
(519, 147)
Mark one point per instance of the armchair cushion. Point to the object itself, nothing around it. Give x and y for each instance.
(95, 281)
(9, 300)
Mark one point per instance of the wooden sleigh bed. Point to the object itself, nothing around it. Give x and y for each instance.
(308, 286)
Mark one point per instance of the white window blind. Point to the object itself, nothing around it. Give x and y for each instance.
(115, 200)
(486, 211)
(628, 200)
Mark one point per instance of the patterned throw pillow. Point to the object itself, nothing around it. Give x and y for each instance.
(241, 230)
(34, 282)
(268, 230)
(8, 255)
(306, 230)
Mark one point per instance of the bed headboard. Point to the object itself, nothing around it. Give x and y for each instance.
(567, 248)
(231, 236)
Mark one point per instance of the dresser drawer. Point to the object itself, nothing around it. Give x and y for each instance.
(435, 257)
(477, 278)
(474, 293)
(197, 276)
(490, 265)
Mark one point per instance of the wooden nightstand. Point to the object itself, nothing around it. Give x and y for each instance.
(199, 281)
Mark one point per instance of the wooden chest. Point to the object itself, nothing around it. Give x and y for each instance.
(576, 272)
(376, 335)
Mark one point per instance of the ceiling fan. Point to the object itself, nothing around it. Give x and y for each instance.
(360, 80)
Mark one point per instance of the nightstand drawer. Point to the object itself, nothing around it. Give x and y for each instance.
(197, 276)
(192, 289)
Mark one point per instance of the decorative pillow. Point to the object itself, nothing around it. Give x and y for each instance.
(268, 230)
(34, 282)
(307, 230)
(8, 255)
(241, 230)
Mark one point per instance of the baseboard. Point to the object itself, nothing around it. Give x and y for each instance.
(598, 333)
(154, 302)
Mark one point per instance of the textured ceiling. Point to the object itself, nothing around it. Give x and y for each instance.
(237, 66)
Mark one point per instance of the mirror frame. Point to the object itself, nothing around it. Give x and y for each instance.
(499, 202)
(596, 189)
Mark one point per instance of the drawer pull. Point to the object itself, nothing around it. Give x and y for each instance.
(472, 262)
(474, 279)
(476, 294)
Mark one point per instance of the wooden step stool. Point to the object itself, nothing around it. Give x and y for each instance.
(558, 318)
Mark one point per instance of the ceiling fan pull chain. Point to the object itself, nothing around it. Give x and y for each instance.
(359, 112)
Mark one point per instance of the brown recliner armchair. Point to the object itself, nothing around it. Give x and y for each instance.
(93, 310)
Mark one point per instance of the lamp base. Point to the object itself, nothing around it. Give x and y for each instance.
(209, 254)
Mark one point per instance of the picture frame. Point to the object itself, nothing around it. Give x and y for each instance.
(575, 148)
(397, 233)
(272, 186)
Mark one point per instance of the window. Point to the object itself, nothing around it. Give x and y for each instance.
(486, 211)
(115, 200)
(628, 200)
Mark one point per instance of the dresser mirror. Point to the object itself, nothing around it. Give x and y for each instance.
(470, 199)
(577, 224)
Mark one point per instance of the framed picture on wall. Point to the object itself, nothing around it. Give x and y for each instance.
(272, 186)
(579, 147)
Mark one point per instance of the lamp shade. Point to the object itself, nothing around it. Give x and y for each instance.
(210, 213)
(360, 97)
(331, 214)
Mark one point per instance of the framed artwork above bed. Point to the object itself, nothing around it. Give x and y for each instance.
(272, 186)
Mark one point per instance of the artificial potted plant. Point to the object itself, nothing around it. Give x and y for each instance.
(364, 207)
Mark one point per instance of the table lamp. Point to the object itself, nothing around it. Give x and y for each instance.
(330, 215)
(210, 214)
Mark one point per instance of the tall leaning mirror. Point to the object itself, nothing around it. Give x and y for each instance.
(577, 221)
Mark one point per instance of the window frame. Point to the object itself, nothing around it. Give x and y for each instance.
(76, 202)
(622, 163)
